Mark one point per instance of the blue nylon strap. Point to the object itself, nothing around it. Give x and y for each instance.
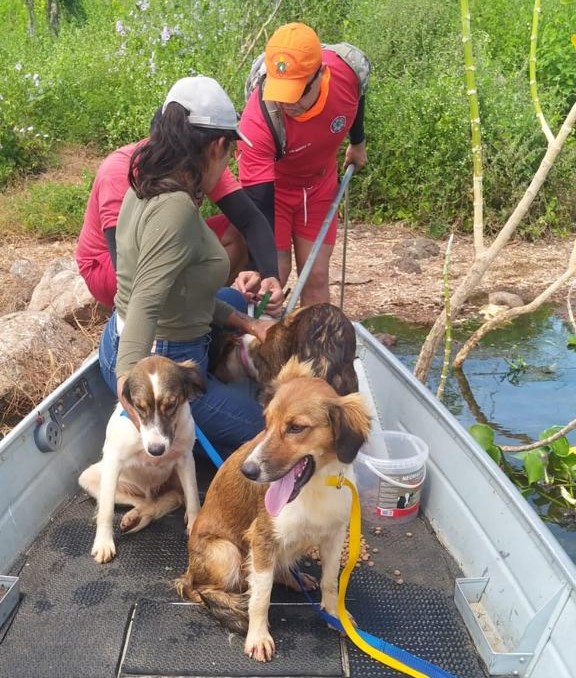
(430, 670)
(209, 448)
(203, 440)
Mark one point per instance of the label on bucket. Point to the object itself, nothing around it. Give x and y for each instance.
(398, 502)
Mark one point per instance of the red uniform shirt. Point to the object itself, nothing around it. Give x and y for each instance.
(311, 146)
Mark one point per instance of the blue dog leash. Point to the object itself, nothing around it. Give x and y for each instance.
(210, 450)
(418, 664)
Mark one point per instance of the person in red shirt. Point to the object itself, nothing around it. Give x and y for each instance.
(320, 100)
(96, 248)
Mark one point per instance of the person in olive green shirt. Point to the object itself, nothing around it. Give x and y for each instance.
(170, 264)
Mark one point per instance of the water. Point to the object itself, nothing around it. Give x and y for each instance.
(520, 381)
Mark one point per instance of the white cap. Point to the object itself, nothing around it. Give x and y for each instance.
(207, 103)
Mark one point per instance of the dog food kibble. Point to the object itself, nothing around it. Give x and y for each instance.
(364, 556)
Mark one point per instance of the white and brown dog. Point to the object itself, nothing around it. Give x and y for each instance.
(320, 333)
(269, 504)
(150, 466)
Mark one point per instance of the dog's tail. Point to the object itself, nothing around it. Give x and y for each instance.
(230, 609)
(214, 579)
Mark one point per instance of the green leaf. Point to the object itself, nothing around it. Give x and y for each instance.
(535, 467)
(560, 447)
(495, 452)
(482, 434)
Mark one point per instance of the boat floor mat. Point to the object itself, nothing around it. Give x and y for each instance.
(73, 619)
(168, 639)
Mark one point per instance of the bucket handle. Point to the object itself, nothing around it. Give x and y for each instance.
(396, 483)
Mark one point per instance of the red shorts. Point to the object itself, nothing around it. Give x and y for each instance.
(218, 224)
(300, 213)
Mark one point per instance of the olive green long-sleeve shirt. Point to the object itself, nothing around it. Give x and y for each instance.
(170, 265)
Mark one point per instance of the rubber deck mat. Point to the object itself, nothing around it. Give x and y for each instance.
(74, 614)
(182, 640)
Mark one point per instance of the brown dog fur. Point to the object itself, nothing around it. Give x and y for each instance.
(237, 549)
(320, 333)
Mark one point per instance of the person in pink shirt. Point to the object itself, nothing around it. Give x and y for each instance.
(319, 98)
(96, 247)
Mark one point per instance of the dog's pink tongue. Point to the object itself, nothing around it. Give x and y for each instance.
(278, 494)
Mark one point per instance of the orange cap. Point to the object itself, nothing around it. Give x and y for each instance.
(293, 54)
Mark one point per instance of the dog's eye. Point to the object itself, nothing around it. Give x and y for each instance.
(170, 407)
(293, 429)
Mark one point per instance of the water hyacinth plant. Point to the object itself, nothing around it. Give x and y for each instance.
(545, 474)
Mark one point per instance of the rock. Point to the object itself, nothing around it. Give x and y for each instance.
(62, 292)
(386, 339)
(503, 298)
(417, 248)
(38, 352)
(407, 265)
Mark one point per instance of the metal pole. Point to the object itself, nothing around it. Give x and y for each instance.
(344, 245)
(319, 240)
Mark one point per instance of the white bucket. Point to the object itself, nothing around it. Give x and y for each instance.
(390, 469)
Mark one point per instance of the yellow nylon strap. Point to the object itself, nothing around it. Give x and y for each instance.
(353, 555)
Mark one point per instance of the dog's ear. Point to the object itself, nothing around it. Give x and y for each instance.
(193, 381)
(266, 393)
(127, 391)
(350, 424)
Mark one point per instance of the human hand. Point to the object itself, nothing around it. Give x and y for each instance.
(274, 305)
(356, 155)
(248, 283)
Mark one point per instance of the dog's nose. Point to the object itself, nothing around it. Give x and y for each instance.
(156, 449)
(251, 470)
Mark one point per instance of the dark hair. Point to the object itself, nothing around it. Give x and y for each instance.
(174, 157)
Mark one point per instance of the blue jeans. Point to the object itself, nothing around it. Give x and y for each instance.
(227, 415)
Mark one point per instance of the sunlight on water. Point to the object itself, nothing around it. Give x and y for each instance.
(520, 381)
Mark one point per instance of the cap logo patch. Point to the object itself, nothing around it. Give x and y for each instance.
(338, 124)
(281, 65)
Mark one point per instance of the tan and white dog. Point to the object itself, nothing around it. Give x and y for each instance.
(269, 504)
(150, 466)
(320, 333)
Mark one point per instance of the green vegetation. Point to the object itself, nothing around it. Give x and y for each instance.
(99, 78)
(48, 210)
(545, 474)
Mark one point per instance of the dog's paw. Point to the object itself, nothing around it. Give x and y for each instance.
(261, 649)
(134, 521)
(103, 550)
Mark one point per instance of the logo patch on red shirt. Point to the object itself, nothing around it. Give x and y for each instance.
(338, 124)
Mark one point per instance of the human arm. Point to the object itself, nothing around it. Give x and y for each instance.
(248, 325)
(156, 247)
(110, 236)
(243, 212)
(356, 151)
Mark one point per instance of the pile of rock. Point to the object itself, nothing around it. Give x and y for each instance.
(48, 339)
